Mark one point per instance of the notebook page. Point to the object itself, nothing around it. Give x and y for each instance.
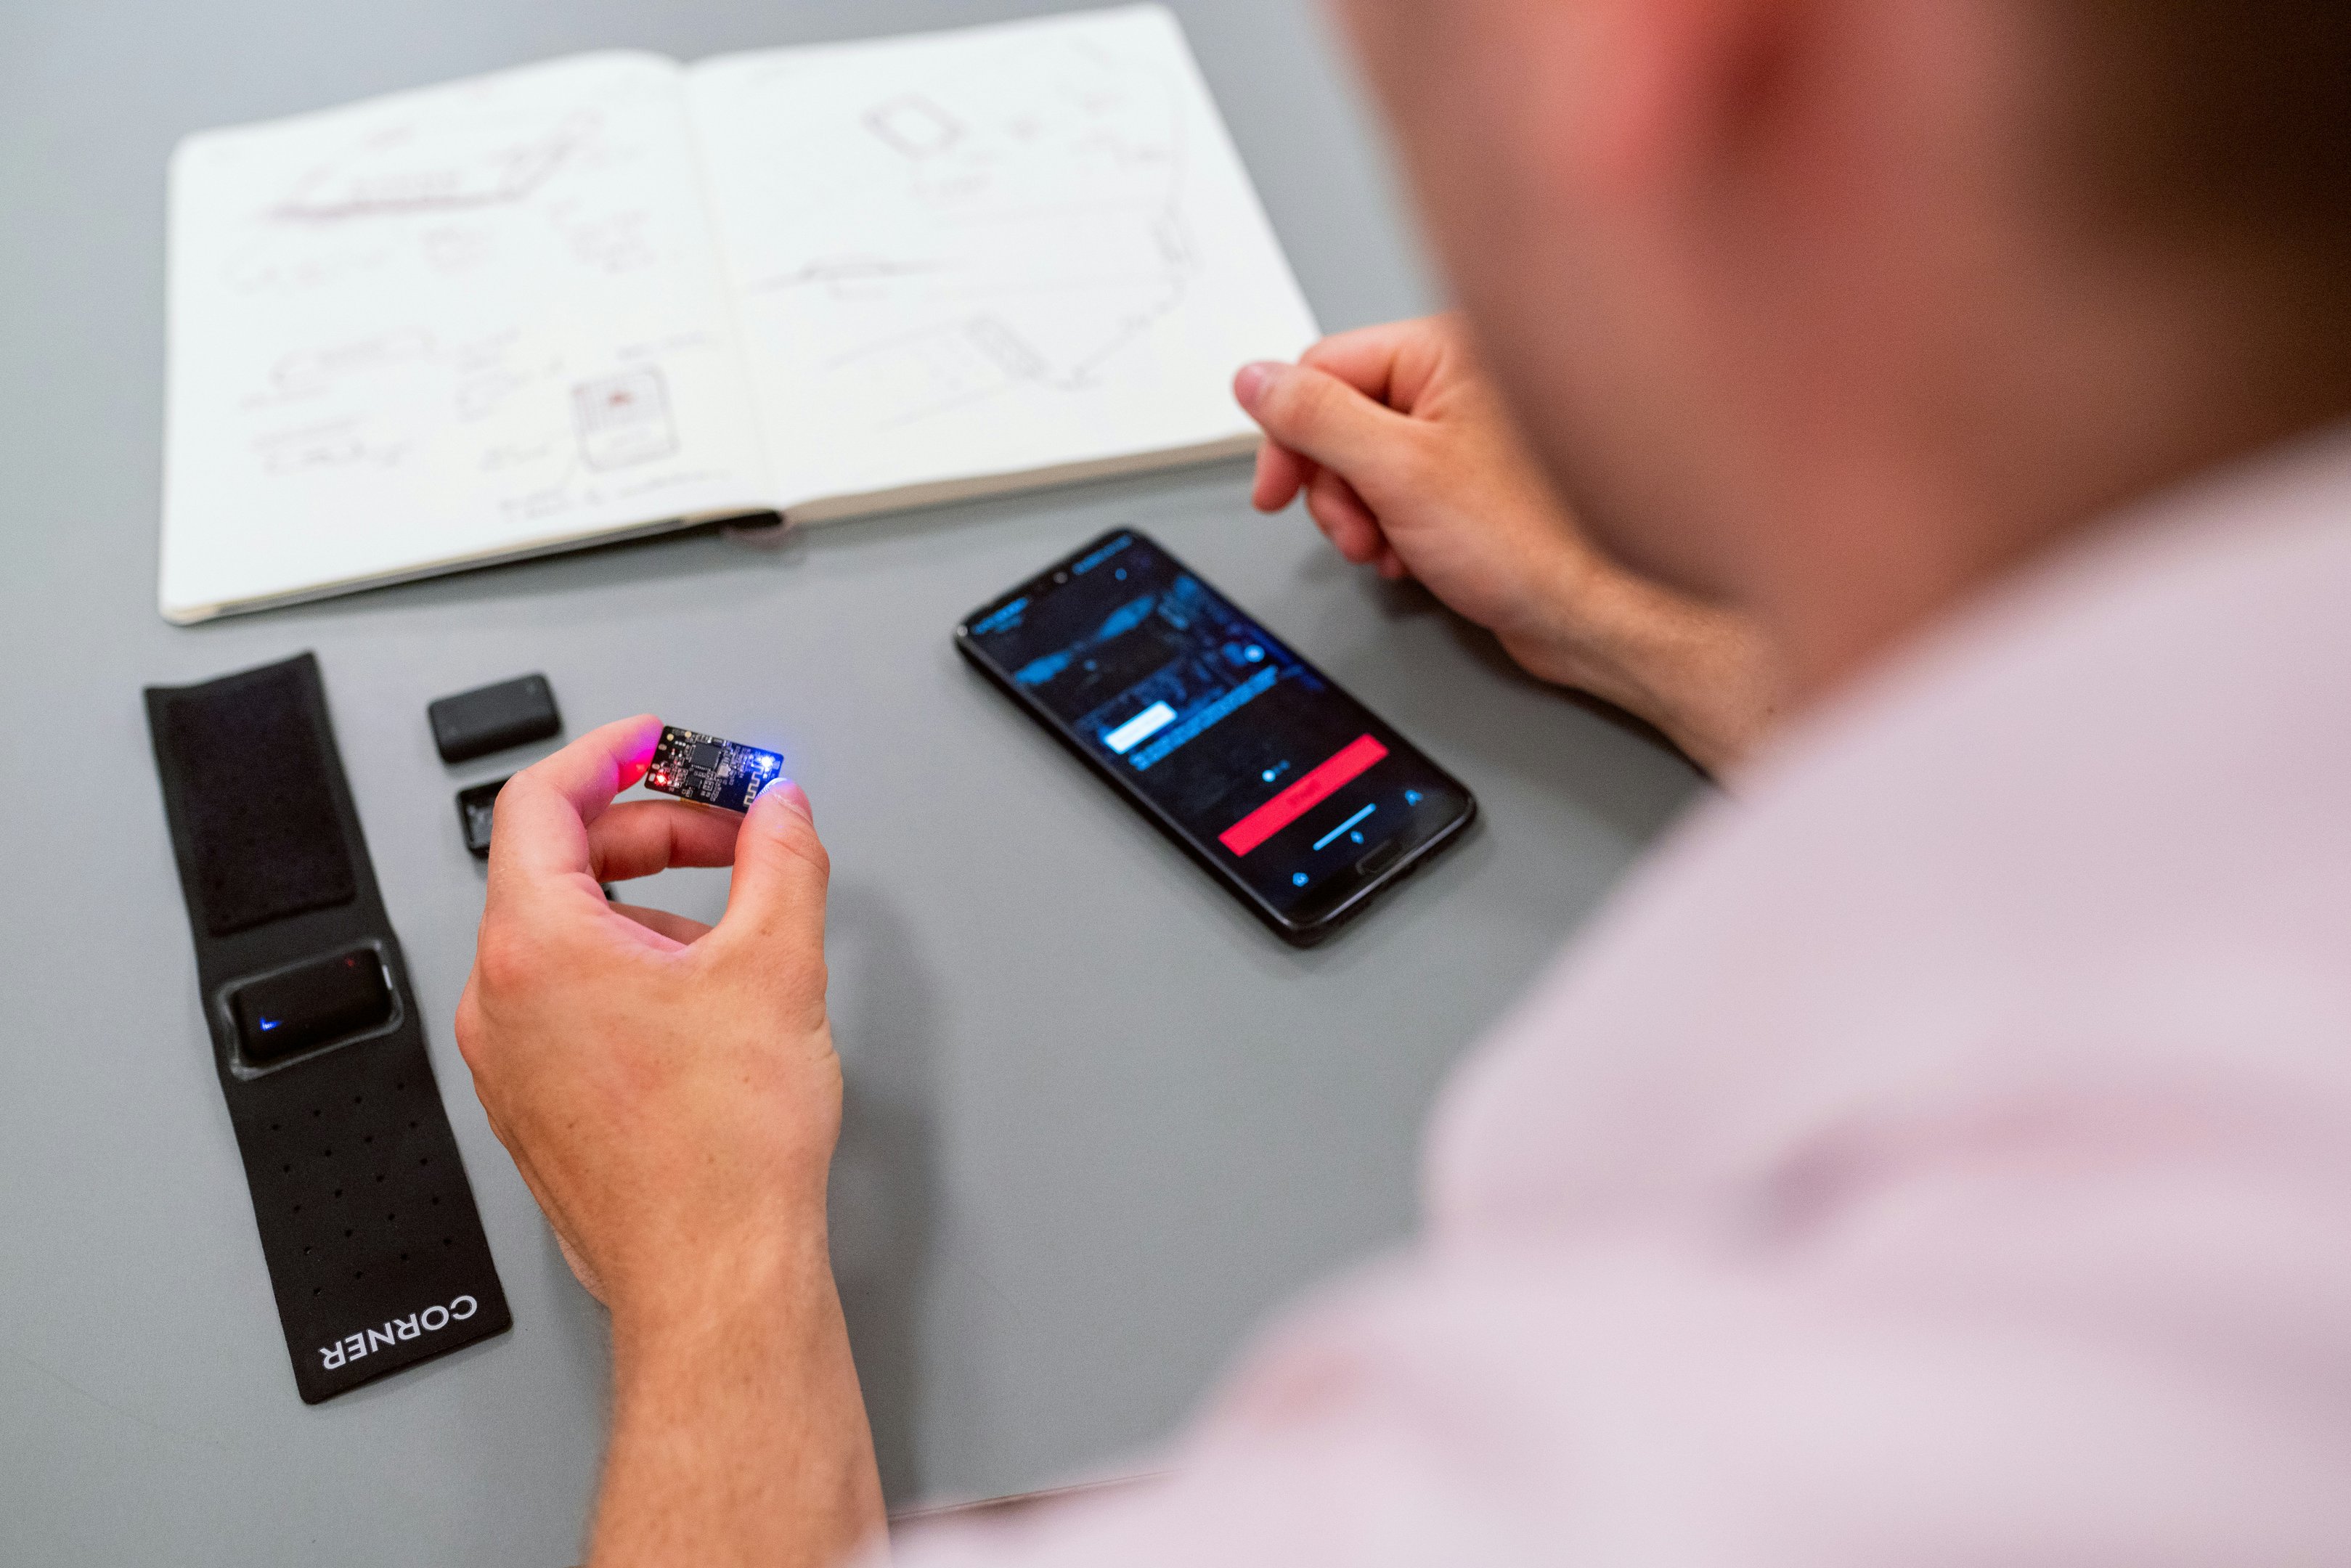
(442, 326)
(993, 251)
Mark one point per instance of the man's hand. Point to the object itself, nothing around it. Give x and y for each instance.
(669, 1091)
(1409, 462)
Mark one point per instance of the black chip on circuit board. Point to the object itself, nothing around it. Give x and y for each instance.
(695, 767)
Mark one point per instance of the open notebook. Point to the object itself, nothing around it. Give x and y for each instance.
(613, 293)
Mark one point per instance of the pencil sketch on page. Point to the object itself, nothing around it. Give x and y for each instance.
(611, 293)
(624, 419)
(534, 227)
(422, 185)
(1013, 218)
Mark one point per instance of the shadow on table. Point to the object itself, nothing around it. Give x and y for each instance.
(883, 1197)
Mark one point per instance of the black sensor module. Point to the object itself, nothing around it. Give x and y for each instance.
(695, 767)
(491, 718)
(325, 999)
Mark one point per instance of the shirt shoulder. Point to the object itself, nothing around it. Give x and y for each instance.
(2093, 831)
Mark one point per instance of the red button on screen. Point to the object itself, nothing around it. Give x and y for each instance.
(1312, 790)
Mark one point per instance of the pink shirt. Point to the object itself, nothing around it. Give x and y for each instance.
(1939, 1153)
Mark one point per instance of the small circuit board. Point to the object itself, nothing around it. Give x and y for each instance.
(695, 767)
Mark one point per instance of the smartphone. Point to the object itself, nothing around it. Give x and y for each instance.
(1294, 796)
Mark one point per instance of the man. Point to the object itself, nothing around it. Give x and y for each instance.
(1942, 1151)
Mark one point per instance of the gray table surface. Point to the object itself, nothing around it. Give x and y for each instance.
(1100, 1124)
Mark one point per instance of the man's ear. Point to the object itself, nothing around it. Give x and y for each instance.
(1662, 91)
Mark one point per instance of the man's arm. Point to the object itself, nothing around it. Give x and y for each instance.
(738, 1432)
(1408, 462)
(669, 1091)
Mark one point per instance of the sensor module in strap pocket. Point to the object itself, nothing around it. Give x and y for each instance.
(311, 1004)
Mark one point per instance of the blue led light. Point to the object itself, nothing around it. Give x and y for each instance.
(1412, 796)
(1298, 879)
(1252, 653)
(270, 1023)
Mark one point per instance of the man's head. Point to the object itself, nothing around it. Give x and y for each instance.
(1841, 306)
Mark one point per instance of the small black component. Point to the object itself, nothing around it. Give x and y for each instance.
(716, 772)
(475, 808)
(491, 718)
(322, 1000)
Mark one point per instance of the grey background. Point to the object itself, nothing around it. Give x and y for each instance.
(1099, 1122)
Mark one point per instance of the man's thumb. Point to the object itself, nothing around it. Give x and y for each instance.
(1317, 415)
(781, 870)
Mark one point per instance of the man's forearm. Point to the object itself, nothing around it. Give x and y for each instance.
(739, 1431)
(1706, 677)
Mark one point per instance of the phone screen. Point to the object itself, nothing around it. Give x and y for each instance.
(1291, 791)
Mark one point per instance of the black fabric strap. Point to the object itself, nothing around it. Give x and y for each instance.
(374, 1246)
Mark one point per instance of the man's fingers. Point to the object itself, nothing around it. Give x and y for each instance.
(1344, 518)
(540, 828)
(638, 837)
(780, 872)
(1365, 357)
(599, 765)
(1392, 363)
(662, 923)
(1321, 417)
(1280, 475)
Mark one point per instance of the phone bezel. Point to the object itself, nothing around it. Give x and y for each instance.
(1346, 902)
